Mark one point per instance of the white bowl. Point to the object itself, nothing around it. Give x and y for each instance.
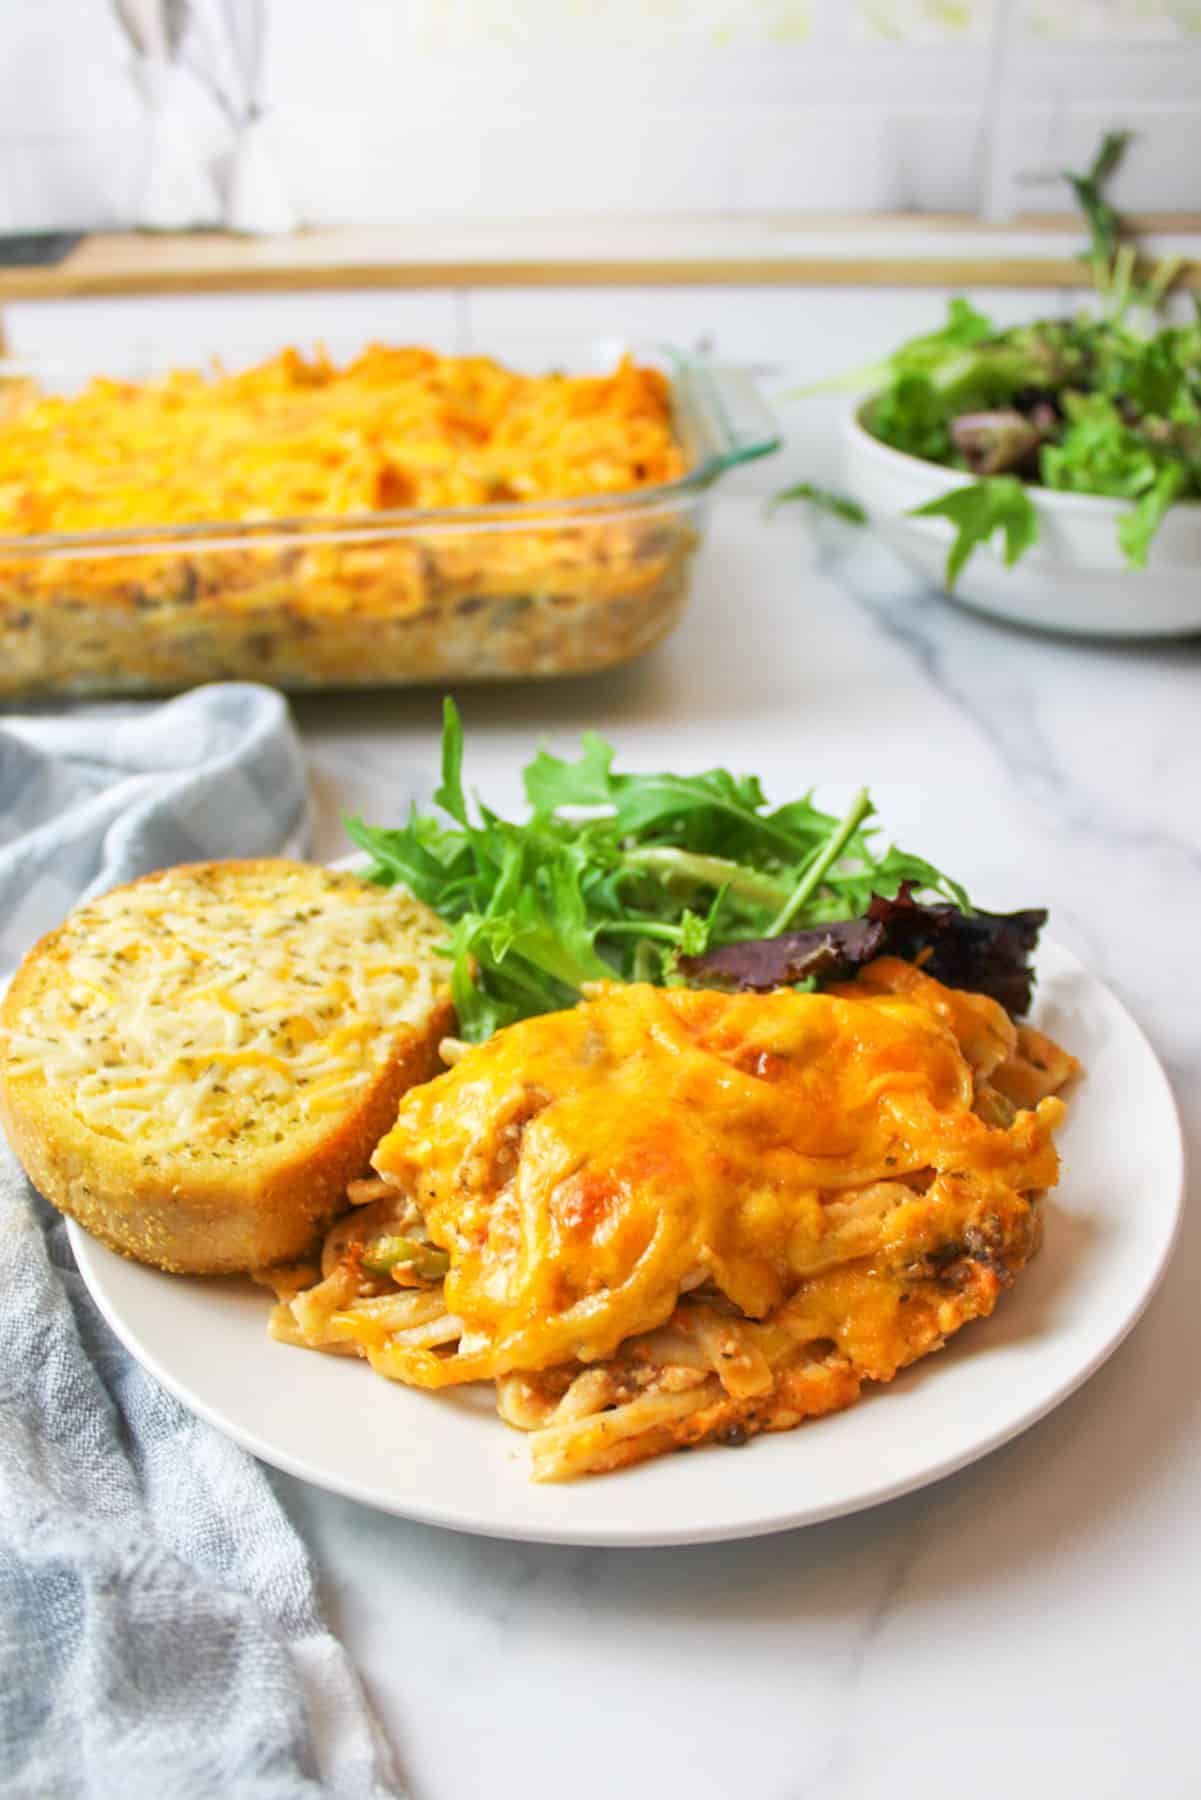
(1075, 578)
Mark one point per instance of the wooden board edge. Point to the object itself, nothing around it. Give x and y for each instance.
(724, 271)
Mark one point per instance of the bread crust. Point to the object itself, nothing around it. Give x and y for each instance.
(188, 1218)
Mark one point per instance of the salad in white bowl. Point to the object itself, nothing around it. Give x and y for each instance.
(1050, 472)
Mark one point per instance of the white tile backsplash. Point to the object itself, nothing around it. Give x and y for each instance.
(919, 21)
(1132, 22)
(86, 181)
(64, 70)
(388, 109)
(775, 153)
(341, 169)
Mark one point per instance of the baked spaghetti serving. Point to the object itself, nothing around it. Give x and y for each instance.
(672, 1216)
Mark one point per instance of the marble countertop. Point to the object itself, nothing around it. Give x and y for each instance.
(1030, 1622)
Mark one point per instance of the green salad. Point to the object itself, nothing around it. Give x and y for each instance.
(616, 875)
(1106, 403)
(671, 878)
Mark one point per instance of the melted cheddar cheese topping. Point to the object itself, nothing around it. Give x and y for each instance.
(585, 1168)
(203, 1013)
(296, 436)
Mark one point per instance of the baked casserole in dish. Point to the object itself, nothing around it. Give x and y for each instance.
(398, 517)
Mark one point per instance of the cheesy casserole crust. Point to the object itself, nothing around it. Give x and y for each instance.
(671, 1216)
(253, 545)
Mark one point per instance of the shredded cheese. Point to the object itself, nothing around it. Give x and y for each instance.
(196, 1002)
(297, 436)
(579, 1168)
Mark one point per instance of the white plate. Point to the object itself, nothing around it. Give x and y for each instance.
(448, 1460)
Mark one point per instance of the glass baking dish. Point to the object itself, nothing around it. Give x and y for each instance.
(484, 593)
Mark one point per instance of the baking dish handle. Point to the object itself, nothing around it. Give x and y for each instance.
(736, 423)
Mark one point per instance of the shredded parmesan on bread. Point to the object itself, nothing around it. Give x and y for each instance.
(216, 1023)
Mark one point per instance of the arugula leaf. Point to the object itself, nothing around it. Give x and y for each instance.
(965, 326)
(450, 795)
(407, 855)
(840, 505)
(482, 1009)
(616, 875)
(689, 807)
(707, 871)
(550, 782)
(978, 512)
(1105, 227)
(1112, 149)
(1139, 527)
(819, 866)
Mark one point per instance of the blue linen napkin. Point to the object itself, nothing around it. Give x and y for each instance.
(159, 1627)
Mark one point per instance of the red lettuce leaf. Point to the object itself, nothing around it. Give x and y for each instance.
(988, 953)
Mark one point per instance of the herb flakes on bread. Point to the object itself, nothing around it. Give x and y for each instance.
(194, 1066)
